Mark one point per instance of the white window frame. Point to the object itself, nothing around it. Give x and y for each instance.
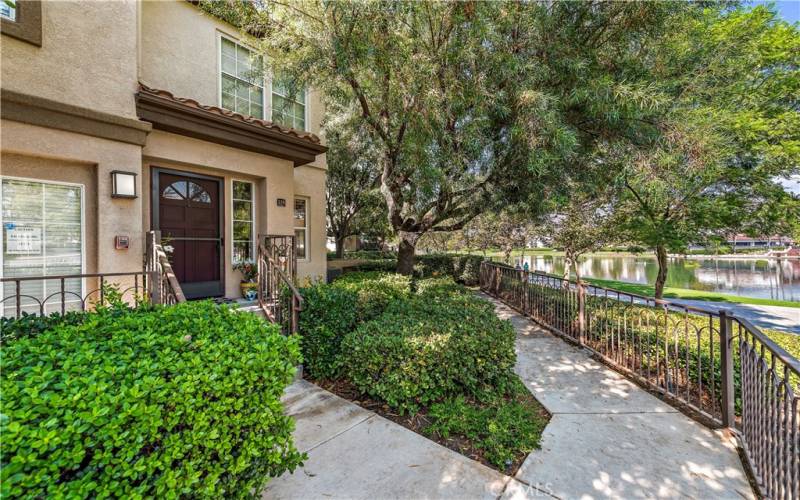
(12, 11)
(252, 221)
(264, 99)
(44, 244)
(307, 227)
(305, 109)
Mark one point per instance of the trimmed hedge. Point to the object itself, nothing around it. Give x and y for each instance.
(427, 348)
(463, 269)
(329, 313)
(437, 287)
(333, 310)
(380, 265)
(375, 291)
(164, 402)
(364, 254)
(407, 348)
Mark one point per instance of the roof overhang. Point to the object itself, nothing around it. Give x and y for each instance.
(188, 118)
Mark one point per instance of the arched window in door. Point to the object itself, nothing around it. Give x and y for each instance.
(186, 190)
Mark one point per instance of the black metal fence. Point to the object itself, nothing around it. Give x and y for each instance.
(710, 362)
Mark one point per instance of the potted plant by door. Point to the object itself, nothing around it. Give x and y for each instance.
(249, 284)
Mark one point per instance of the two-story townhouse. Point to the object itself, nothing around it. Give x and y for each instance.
(123, 117)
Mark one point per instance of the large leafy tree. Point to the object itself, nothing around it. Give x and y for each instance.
(447, 92)
(354, 204)
(505, 230)
(583, 223)
(731, 125)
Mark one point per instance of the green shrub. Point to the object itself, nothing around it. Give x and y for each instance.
(440, 287)
(171, 401)
(426, 348)
(463, 268)
(469, 272)
(370, 254)
(375, 290)
(329, 313)
(383, 265)
(29, 325)
(502, 425)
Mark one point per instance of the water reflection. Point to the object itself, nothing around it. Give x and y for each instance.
(772, 279)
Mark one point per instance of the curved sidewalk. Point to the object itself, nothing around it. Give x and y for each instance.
(609, 438)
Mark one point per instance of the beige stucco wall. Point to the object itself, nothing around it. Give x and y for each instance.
(309, 182)
(87, 57)
(180, 53)
(48, 154)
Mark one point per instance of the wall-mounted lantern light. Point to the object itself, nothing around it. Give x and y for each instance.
(281, 202)
(123, 184)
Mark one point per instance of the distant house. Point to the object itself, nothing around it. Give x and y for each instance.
(744, 241)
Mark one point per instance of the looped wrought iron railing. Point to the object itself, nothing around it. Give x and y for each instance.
(718, 366)
(283, 251)
(43, 295)
(32, 295)
(277, 295)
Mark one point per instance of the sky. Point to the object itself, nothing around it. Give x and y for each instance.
(789, 10)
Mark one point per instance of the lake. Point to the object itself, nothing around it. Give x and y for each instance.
(771, 279)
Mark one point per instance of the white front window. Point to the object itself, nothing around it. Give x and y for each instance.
(243, 218)
(42, 236)
(241, 80)
(301, 228)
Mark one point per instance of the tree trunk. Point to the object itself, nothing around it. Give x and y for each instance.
(570, 260)
(339, 247)
(406, 251)
(661, 278)
(575, 267)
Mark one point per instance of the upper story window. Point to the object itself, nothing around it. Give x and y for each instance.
(288, 110)
(242, 83)
(7, 11)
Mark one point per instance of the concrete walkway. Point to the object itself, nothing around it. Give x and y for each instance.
(355, 454)
(608, 438)
(782, 318)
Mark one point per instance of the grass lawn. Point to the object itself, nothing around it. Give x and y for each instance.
(685, 293)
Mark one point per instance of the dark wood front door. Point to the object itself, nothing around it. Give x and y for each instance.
(188, 211)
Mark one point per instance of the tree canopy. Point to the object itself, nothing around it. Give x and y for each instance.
(667, 122)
